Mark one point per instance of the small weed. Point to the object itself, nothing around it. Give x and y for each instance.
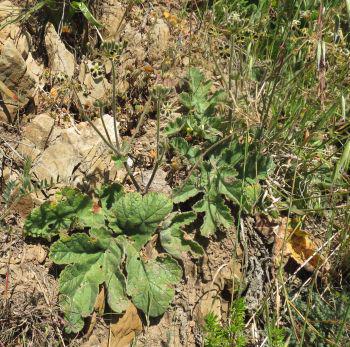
(232, 334)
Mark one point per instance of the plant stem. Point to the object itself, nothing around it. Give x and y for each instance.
(158, 158)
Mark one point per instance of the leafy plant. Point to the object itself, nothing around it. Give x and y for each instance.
(221, 178)
(105, 249)
(200, 118)
(326, 319)
(217, 335)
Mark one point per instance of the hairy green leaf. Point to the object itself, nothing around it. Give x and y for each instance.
(90, 264)
(151, 283)
(50, 218)
(109, 194)
(139, 216)
(79, 286)
(185, 193)
(173, 239)
(216, 213)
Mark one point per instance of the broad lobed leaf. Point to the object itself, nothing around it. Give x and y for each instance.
(151, 283)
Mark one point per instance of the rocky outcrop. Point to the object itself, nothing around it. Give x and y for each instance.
(36, 136)
(61, 61)
(70, 155)
(18, 83)
(13, 31)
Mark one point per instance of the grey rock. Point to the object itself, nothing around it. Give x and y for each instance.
(159, 37)
(112, 13)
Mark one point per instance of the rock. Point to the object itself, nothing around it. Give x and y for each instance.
(7, 13)
(60, 59)
(159, 37)
(112, 14)
(34, 68)
(36, 136)
(77, 154)
(20, 38)
(94, 89)
(159, 183)
(35, 253)
(16, 77)
(57, 162)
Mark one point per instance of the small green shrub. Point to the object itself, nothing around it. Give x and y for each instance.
(200, 117)
(101, 243)
(327, 319)
(217, 335)
(219, 179)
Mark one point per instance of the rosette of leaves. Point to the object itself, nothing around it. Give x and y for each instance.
(200, 118)
(101, 244)
(226, 177)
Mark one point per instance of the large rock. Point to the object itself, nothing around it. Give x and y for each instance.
(17, 79)
(112, 14)
(77, 154)
(8, 13)
(159, 37)
(61, 61)
(36, 136)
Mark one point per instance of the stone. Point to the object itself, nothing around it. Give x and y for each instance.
(7, 13)
(57, 162)
(20, 38)
(39, 130)
(78, 154)
(34, 68)
(36, 136)
(61, 61)
(16, 77)
(159, 37)
(112, 14)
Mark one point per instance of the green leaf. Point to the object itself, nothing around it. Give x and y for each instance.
(92, 261)
(252, 193)
(216, 214)
(78, 248)
(228, 185)
(175, 243)
(114, 279)
(79, 286)
(50, 218)
(140, 216)
(81, 6)
(151, 283)
(183, 148)
(183, 219)
(173, 239)
(109, 194)
(175, 126)
(185, 193)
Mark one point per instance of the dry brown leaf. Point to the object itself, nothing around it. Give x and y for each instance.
(295, 244)
(280, 250)
(302, 248)
(98, 310)
(125, 329)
